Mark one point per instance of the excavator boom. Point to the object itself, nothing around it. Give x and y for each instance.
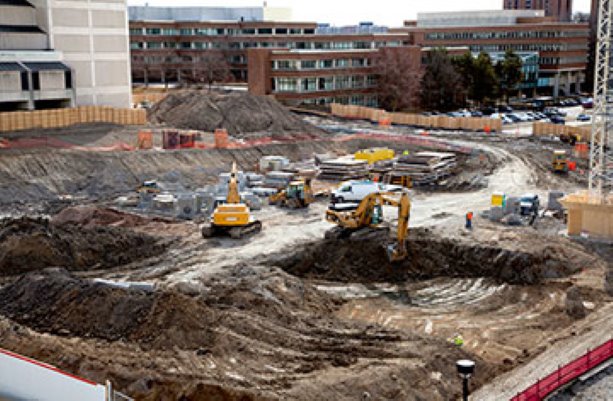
(233, 190)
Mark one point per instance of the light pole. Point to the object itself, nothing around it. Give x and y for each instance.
(466, 368)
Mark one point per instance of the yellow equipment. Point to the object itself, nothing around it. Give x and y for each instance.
(149, 187)
(394, 178)
(298, 194)
(369, 214)
(232, 217)
(559, 163)
(374, 155)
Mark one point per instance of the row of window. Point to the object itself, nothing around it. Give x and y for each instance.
(247, 45)
(314, 84)
(285, 65)
(221, 31)
(25, 82)
(358, 100)
(506, 35)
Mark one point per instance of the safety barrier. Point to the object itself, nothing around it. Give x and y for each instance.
(549, 129)
(437, 122)
(55, 118)
(567, 373)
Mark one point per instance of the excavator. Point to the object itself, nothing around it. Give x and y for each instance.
(369, 214)
(298, 194)
(232, 217)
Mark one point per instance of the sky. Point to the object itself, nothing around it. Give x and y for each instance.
(350, 12)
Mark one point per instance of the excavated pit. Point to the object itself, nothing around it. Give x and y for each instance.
(362, 259)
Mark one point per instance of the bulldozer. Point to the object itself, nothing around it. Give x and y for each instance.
(368, 214)
(297, 195)
(559, 162)
(232, 217)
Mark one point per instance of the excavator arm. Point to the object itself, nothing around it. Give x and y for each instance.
(233, 192)
(398, 251)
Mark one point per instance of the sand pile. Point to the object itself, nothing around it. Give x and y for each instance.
(241, 114)
(28, 244)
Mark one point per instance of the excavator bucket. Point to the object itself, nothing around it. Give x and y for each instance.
(396, 253)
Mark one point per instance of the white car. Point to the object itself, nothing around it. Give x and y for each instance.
(355, 190)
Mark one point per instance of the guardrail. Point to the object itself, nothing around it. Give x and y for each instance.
(564, 375)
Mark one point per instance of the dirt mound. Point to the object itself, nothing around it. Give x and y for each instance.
(92, 216)
(363, 259)
(241, 114)
(53, 301)
(28, 244)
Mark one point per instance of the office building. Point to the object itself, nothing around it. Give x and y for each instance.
(63, 53)
(562, 46)
(562, 10)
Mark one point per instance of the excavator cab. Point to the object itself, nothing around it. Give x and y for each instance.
(298, 194)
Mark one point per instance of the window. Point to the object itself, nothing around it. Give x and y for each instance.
(308, 64)
(170, 45)
(25, 85)
(309, 84)
(169, 31)
(343, 82)
(281, 31)
(248, 31)
(357, 62)
(200, 45)
(326, 83)
(186, 45)
(326, 64)
(136, 45)
(153, 31)
(309, 31)
(186, 31)
(286, 64)
(342, 63)
(36, 81)
(287, 85)
(136, 31)
(68, 79)
(357, 81)
(265, 31)
(154, 45)
(371, 80)
(295, 31)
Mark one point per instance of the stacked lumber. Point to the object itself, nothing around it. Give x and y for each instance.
(342, 169)
(426, 167)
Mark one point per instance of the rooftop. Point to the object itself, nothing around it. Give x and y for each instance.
(475, 18)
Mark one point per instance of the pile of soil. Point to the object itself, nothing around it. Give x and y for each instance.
(28, 244)
(362, 258)
(93, 216)
(242, 114)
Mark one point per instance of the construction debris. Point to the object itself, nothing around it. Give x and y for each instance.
(426, 167)
(344, 168)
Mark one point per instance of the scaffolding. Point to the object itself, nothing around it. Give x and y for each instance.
(601, 151)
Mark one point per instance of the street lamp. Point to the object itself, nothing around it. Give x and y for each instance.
(466, 368)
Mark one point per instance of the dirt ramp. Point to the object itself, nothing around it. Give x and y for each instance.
(242, 114)
(92, 216)
(28, 244)
(363, 259)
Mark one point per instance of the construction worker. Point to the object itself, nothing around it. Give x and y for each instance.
(469, 220)
(458, 340)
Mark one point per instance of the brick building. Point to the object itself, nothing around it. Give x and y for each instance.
(562, 10)
(166, 50)
(562, 46)
(320, 77)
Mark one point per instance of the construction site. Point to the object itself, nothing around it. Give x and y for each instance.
(223, 243)
(106, 274)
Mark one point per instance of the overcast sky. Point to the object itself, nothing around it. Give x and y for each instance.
(349, 12)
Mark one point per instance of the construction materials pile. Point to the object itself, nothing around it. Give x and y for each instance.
(426, 167)
(344, 168)
(241, 114)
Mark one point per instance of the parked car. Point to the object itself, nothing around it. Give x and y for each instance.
(354, 191)
(587, 102)
(583, 117)
(505, 109)
(513, 117)
(488, 111)
(557, 120)
(476, 113)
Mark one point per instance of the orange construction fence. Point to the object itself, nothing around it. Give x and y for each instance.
(441, 122)
(55, 118)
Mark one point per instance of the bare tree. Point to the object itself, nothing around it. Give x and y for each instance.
(398, 79)
(211, 67)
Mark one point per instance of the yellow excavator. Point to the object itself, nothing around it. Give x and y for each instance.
(559, 162)
(232, 217)
(369, 214)
(298, 194)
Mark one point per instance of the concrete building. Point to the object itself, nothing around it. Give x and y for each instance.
(59, 53)
(562, 10)
(167, 44)
(320, 77)
(562, 46)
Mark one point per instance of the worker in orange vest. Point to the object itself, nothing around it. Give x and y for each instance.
(469, 220)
